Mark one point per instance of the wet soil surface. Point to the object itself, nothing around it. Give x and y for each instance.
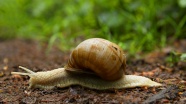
(31, 54)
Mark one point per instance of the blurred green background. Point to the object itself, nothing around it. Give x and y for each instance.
(136, 25)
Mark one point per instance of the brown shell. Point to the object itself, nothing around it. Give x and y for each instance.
(101, 56)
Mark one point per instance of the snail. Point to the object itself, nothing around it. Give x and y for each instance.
(96, 64)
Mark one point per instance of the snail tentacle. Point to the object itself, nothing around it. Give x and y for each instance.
(30, 72)
(26, 69)
(20, 73)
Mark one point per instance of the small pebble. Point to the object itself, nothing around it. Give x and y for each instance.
(5, 68)
(1, 74)
(1, 90)
(5, 60)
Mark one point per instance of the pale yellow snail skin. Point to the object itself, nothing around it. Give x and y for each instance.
(99, 61)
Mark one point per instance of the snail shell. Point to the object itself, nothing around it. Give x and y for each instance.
(100, 56)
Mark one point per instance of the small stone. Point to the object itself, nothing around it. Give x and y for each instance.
(1, 90)
(5, 60)
(5, 68)
(27, 92)
(1, 74)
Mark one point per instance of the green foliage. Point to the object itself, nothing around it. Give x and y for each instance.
(175, 58)
(183, 57)
(136, 25)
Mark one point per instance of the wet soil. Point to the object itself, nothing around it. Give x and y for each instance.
(31, 54)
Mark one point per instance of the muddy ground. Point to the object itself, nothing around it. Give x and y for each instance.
(31, 54)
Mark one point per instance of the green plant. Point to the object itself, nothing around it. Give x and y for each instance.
(135, 25)
(176, 57)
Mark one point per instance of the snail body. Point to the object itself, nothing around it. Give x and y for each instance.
(95, 63)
